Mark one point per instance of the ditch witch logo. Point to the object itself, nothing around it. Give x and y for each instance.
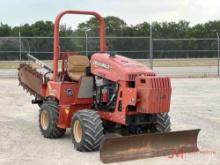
(101, 64)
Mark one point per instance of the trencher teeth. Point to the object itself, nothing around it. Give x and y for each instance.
(26, 69)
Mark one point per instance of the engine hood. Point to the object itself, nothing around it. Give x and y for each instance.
(117, 67)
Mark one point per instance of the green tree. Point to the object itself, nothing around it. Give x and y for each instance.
(5, 30)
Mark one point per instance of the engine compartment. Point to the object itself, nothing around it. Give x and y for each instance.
(105, 94)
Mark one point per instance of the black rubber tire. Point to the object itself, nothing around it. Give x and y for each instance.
(92, 130)
(40, 104)
(162, 123)
(108, 126)
(52, 131)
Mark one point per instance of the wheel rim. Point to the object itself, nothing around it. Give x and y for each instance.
(77, 131)
(44, 119)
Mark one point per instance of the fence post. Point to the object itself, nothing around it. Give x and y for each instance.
(19, 45)
(151, 47)
(218, 52)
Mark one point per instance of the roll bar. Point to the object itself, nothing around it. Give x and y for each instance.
(56, 42)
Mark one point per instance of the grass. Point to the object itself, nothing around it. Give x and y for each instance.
(156, 63)
(9, 65)
(15, 64)
(181, 62)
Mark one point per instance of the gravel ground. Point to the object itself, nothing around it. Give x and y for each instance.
(195, 104)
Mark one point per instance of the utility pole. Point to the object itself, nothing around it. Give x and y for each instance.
(86, 42)
(86, 37)
(151, 47)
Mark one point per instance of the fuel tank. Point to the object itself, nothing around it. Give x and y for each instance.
(117, 67)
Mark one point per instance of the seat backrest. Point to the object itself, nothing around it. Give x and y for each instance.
(76, 65)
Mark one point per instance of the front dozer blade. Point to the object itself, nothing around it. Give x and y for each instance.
(124, 148)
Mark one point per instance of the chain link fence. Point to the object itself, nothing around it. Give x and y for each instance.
(42, 47)
(191, 53)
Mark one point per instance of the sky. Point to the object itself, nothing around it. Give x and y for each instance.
(17, 12)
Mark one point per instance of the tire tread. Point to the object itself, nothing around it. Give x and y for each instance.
(162, 123)
(53, 131)
(93, 130)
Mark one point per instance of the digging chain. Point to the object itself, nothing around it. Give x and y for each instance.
(27, 69)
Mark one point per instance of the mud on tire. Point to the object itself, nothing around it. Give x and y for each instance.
(86, 130)
(48, 118)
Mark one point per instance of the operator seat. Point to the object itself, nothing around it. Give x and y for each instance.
(76, 66)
